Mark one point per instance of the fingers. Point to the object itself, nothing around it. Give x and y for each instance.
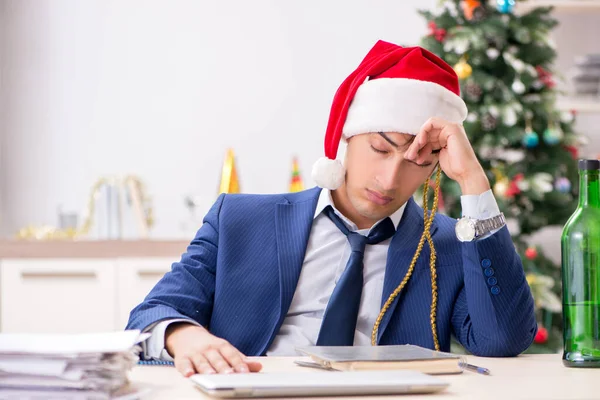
(208, 354)
(254, 366)
(414, 148)
(234, 358)
(433, 135)
(218, 362)
(185, 366)
(420, 149)
(202, 365)
(424, 156)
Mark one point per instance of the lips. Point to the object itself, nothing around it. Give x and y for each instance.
(378, 198)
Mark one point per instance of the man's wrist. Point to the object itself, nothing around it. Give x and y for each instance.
(475, 183)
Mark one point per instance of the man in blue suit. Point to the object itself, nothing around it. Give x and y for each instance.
(266, 273)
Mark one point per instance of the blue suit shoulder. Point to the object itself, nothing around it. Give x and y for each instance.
(258, 201)
(238, 209)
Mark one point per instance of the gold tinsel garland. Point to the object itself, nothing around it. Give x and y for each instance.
(130, 185)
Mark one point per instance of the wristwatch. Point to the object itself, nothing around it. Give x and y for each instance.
(468, 229)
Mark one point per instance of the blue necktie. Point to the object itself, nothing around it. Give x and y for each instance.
(339, 320)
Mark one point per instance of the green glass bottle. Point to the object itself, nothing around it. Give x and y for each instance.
(580, 246)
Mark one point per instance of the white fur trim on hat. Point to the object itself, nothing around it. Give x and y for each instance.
(328, 174)
(401, 105)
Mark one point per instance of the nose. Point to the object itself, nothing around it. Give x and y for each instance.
(388, 175)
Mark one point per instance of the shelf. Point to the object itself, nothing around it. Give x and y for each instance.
(562, 5)
(579, 105)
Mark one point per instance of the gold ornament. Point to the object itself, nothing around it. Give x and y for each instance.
(501, 187)
(463, 69)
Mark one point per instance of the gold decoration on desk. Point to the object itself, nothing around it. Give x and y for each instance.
(128, 185)
(46, 232)
(229, 178)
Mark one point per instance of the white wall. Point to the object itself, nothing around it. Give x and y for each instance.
(162, 88)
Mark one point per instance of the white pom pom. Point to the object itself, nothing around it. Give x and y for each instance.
(328, 174)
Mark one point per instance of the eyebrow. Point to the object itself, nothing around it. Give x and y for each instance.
(390, 141)
(407, 143)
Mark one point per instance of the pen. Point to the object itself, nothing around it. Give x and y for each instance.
(475, 368)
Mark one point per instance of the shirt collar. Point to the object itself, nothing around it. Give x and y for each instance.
(325, 200)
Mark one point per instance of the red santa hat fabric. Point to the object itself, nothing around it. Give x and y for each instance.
(394, 89)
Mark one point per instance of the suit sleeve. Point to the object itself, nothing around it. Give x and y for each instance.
(187, 291)
(493, 314)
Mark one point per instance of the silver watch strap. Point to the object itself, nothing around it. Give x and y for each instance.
(484, 226)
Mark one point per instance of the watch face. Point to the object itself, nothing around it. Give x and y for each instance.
(465, 230)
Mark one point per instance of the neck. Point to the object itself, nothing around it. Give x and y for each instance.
(588, 188)
(344, 205)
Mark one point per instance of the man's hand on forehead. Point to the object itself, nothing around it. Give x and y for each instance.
(456, 156)
(432, 138)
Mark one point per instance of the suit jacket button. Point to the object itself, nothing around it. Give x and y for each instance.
(486, 262)
(492, 280)
(489, 271)
(495, 289)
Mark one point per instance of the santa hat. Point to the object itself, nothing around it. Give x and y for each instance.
(394, 89)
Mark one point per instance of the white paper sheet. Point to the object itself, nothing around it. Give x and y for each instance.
(111, 342)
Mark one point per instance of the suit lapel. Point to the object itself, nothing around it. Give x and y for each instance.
(400, 253)
(293, 222)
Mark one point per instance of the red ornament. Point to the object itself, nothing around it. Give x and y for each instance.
(545, 77)
(438, 33)
(531, 253)
(513, 186)
(541, 336)
(573, 150)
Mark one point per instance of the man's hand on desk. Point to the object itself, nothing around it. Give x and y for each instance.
(195, 350)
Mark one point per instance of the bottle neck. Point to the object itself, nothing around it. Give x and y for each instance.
(589, 188)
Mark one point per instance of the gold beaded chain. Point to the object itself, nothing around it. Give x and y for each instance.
(428, 219)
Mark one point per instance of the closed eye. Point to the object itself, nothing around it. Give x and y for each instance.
(378, 151)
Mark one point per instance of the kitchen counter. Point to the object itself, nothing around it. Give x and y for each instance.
(91, 248)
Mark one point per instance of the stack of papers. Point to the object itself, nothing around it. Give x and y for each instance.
(51, 366)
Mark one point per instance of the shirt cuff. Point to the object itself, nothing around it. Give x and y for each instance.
(154, 346)
(480, 206)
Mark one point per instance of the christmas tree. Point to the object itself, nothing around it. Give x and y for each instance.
(527, 146)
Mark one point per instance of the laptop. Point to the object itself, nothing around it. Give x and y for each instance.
(331, 383)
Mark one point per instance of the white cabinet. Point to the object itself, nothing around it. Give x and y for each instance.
(51, 295)
(57, 295)
(135, 278)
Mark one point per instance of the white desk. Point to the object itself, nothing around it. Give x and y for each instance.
(526, 377)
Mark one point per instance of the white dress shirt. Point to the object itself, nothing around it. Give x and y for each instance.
(326, 256)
